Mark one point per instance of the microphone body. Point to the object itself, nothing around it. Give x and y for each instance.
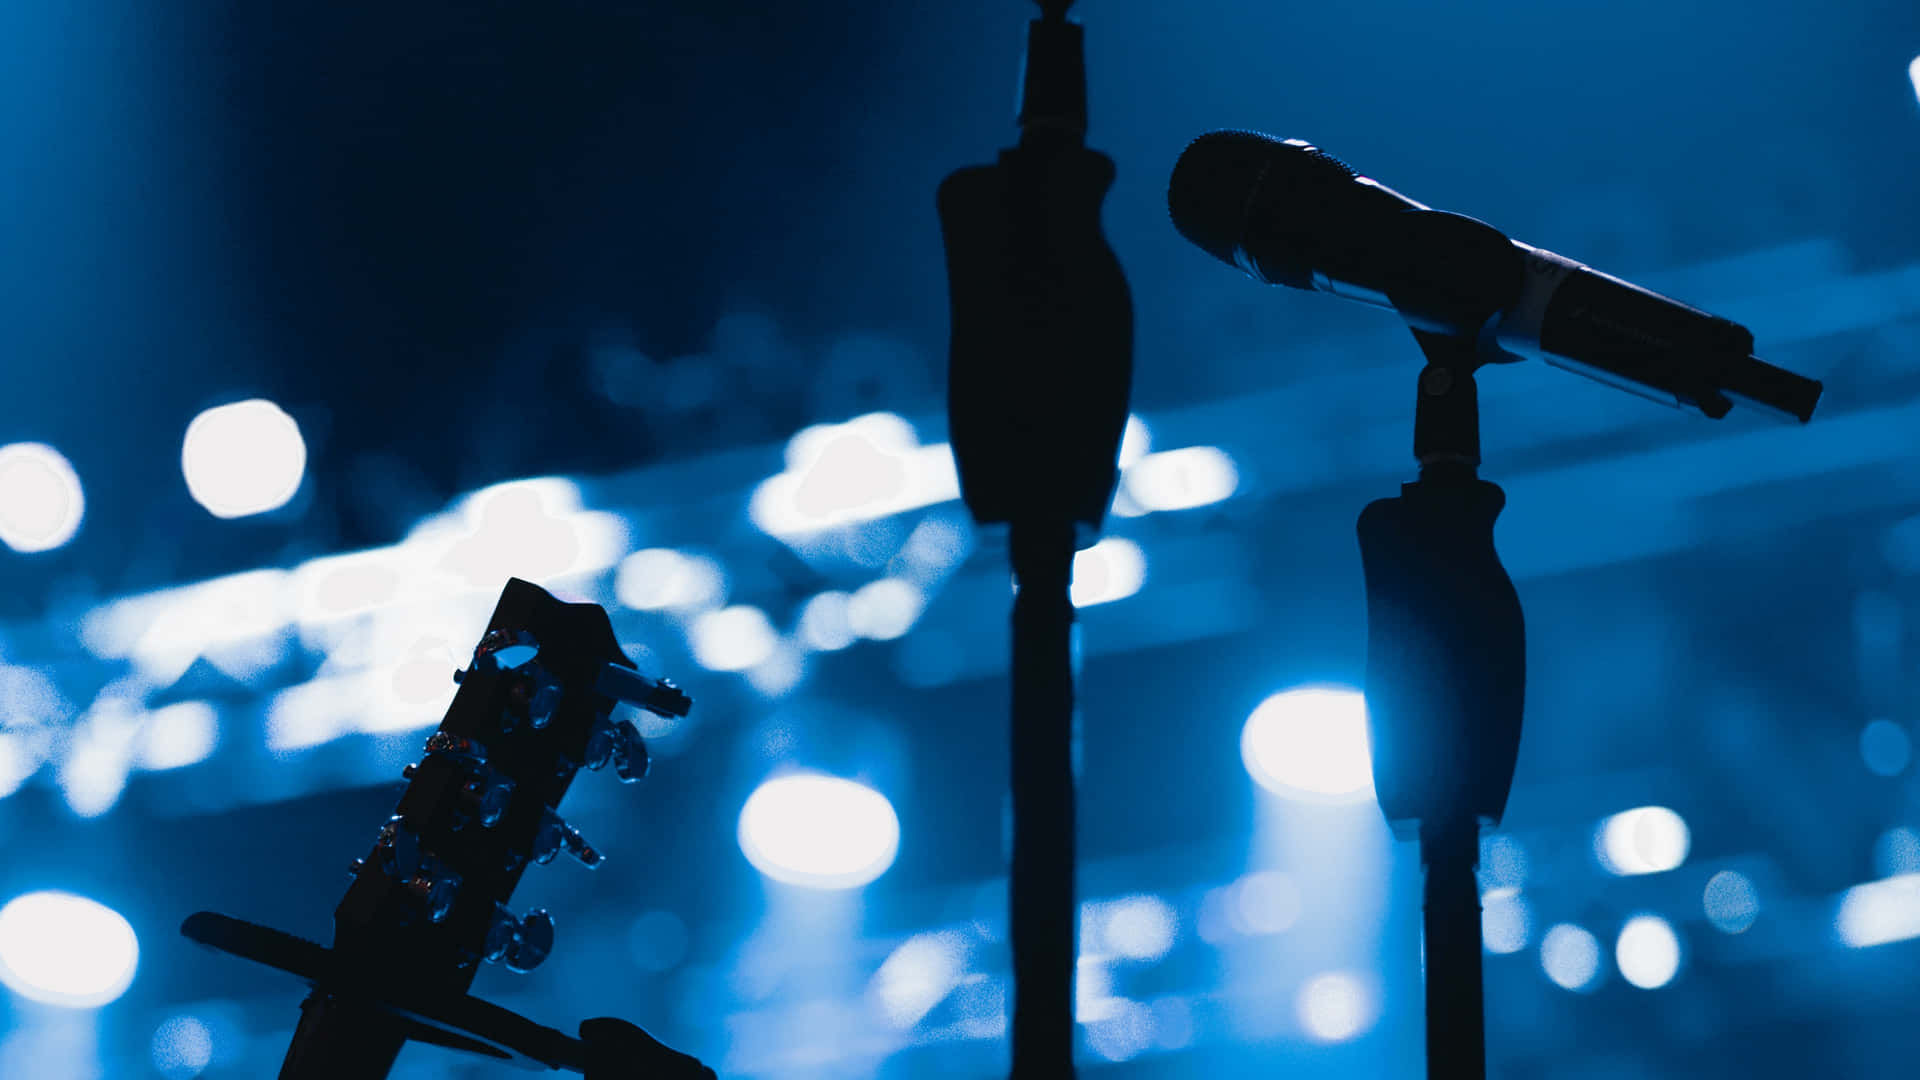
(1286, 213)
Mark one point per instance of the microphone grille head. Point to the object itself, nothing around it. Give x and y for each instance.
(1226, 180)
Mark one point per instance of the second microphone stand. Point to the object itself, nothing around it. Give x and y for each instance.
(1039, 369)
(1446, 673)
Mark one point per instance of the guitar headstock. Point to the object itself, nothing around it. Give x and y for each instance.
(537, 704)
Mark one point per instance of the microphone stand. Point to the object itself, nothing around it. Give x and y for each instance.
(1446, 669)
(1038, 379)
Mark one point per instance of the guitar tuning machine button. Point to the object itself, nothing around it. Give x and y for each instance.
(630, 758)
(617, 742)
(522, 943)
(532, 695)
(397, 851)
(555, 836)
(435, 893)
(484, 798)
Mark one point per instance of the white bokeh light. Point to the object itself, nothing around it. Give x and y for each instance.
(243, 458)
(1647, 951)
(823, 622)
(1335, 1007)
(1310, 744)
(1182, 479)
(40, 499)
(1110, 570)
(61, 949)
(1136, 927)
(819, 831)
(732, 639)
(1135, 441)
(869, 467)
(1879, 912)
(178, 735)
(884, 610)
(661, 579)
(1644, 840)
(1505, 920)
(918, 975)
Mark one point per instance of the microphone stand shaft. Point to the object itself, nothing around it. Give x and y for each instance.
(1041, 889)
(1456, 1024)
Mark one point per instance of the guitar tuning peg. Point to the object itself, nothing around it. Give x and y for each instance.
(618, 743)
(622, 683)
(434, 893)
(534, 943)
(630, 759)
(555, 836)
(522, 943)
(485, 798)
(546, 698)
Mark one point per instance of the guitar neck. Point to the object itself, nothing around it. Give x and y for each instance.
(340, 1039)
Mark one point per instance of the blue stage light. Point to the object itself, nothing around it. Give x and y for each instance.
(1730, 901)
(1570, 956)
(40, 499)
(1897, 851)
(819, 831)
(182, 1047)
(1123, 1032)
(1310, 744)
(244, 458)
(1886, 747)
(1647, 951)
(62, 949)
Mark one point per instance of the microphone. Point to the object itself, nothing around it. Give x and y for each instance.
(1287, 213)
